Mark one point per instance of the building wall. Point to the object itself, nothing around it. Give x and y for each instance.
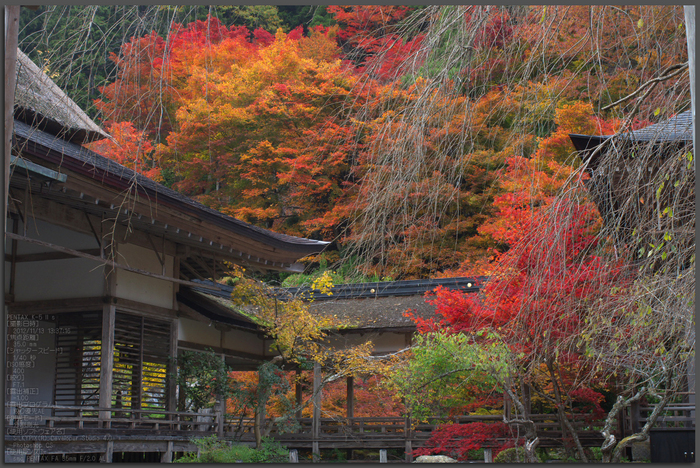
(54, 279)
(142, 288)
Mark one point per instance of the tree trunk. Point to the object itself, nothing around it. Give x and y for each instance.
(531, 439)
(561, 411)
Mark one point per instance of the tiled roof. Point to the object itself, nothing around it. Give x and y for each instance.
(676, 129)
(365, 305)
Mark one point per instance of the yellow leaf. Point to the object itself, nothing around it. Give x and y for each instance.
(640, 23)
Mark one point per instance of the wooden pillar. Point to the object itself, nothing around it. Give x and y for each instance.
(220, 408)
(316, 421)
(107, 359)
(293, 456)
(11, 39)
(382, 456)
(408, 433)
(172, 379)
(635, 415)
(488, 455)
(350, 397)
(527, 398)
(167, 456)
(298, 393)
(106, 456)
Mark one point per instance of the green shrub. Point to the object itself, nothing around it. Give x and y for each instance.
(513, 455)
(213, 450)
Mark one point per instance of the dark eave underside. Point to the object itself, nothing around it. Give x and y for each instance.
(273, 249)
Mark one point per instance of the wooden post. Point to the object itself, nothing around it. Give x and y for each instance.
(488, 455)
(11, 33)
(382, 456)
(107, 359)
(350, 397)
(316, 421)
(408, 447)
(689, 11)
(298, 394)
(527, 398)
(293, 456)
(106, 456)
(220, 411)
(172, 379)
(167, 456)
(635, 415)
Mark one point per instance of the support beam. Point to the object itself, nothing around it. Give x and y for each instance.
(46, 256)
(111, 263)
(382, 456)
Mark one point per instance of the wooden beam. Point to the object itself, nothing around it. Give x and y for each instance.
(218, 350)
(111, 263)
(141, 308)
(56, 306)
(47, 256)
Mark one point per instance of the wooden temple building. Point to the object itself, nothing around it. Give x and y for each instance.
(109, 275)
(97, 260)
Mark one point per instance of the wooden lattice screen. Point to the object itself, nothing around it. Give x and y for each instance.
(78, 351)
(141, 362)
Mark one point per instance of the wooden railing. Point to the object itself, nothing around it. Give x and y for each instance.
(676, 415)
(398, 429)
(124, 420)
(90, 417)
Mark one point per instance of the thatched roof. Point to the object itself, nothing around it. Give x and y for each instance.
(41, 103)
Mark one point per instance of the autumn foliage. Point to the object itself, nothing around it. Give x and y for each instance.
(287, 130)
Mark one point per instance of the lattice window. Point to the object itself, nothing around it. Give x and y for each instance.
(78, 353)
(141, 362)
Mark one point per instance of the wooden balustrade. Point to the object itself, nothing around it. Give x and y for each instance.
(91, 417)
(334, 431)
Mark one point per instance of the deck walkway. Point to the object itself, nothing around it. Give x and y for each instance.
(89, 430)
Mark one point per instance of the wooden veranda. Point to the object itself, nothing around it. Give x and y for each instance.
(87, 431)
